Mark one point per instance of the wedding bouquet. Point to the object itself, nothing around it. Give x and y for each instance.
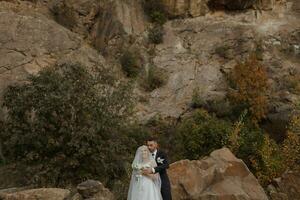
(139, 167)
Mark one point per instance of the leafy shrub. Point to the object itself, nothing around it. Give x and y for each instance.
(221, 106)
(234, 136)
(201, 134)
(67, 125)
(267, 163)
(291, 150)
(156, 34)
(260, 153)
(292, 83)
(153, 78)
(129, 63)
(164, 129)
(222, 51)
(155, 10)
(249, 80)
(2, 158)
(259, 50)
(197, 100)
(294, 124)
(291, 144)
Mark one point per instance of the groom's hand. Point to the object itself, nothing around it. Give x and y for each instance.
(147, 171)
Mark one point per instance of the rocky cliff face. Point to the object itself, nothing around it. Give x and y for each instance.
(186, 8)
(31, 41)
(101, 23)
(198, 51)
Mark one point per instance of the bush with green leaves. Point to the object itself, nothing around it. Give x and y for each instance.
(197, 100)
(200, 134)
(130, 64)
(155, 10)
(291, 145)
(261, 153)
(153, 78)
(156, 34)
(67, 124)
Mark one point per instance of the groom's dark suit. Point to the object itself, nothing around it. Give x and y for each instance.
(162, 166)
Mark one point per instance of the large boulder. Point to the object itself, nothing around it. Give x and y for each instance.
(88, 190)
(37, 194)
(95, 190)
(219, 176)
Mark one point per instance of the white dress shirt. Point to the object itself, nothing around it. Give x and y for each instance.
(154, 155)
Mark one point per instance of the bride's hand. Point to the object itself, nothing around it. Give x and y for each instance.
(147, 171)
(152, 176)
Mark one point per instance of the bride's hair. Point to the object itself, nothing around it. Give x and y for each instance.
(140, 152)
(139, 156)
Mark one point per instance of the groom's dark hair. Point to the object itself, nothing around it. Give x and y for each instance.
(152, 138)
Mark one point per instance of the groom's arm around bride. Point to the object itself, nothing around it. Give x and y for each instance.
(162, 165)
(162, 162)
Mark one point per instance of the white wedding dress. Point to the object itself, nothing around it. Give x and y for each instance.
(144, 187)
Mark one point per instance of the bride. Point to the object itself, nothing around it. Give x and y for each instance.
(144, 187)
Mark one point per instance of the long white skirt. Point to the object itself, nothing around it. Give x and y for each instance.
(143, 188)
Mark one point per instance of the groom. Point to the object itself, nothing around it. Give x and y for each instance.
(162, 166)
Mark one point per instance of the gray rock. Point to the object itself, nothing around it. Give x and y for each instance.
(193, 8)
(38, 194)
(94, 190)
(89, 188)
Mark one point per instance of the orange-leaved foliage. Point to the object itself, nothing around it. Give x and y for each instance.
(249, 81)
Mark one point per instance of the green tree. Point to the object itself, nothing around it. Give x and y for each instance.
(202, 133)
(130, 64)
(153, 78)
(155, 10)
(261, 153)
(156, 34)
(67, 124)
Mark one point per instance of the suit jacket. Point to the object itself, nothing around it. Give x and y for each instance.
(162, 162)
(162, 166)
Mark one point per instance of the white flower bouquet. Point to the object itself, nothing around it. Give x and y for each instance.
(139, 168)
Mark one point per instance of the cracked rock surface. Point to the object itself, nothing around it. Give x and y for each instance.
(30, 42)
